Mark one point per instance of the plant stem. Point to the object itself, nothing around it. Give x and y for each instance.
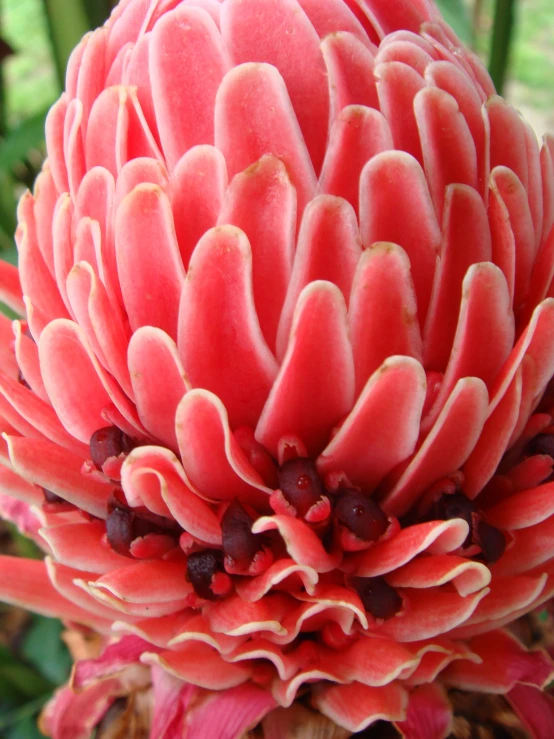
(504, 16)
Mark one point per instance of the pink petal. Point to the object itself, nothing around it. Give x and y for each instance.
(187, 54)
(262, 202)
(523, 509)
(303, 545)
(74, 149)
(485, 333)
(46, 194)
(254, 32)
(197, 186)
(382, 312)
(397, 86)
(70, 715)
(151, 280)
(10, 288)
(462, 420)
(356, 706)
(159, 381)
(430, 571)
(54, 137)
(59, 471)
(83, 546)
(142, 582)
(481, 464)
(253, 589)
(16, 487)
(234, 616)
(350, 68)
(435, 537)
(113, 660)
(215, 465)
(200, 665)
(24, 582)
(152, 476)
(254, 116)
(367, 451)
(393, 198)
(505, 663)
(236, 365)
(328, 248)
(507, 141)
(449, 154)
(303, 400)
(332, 17)
(530, 547)
(466, 241)
(358, 133)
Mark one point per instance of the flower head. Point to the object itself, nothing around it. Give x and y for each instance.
(276, 409)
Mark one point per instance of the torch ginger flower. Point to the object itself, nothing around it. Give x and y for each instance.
(275, 408)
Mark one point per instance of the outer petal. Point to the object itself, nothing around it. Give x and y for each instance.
(356, 706)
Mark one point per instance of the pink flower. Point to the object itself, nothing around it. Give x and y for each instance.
(276, 411)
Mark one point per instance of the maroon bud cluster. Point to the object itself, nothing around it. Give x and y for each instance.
(124, 525)
(361, 515)
(239, 543)
(300, 484)
(377, 596)
(109, 442)
(201, 568)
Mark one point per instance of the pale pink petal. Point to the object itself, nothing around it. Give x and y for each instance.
(429, 571)
(46, 194)
(83, 546)
(253, 99)
(254, 588)
(54, 139)
(236, 365)
(195, 67)
(16, 487)
(303, 400)
(262, 202)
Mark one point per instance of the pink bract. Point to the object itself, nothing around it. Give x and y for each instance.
(275, 408)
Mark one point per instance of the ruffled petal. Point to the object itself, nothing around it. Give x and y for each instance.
(356, 706)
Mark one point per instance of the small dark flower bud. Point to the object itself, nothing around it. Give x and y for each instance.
(300, 484)
(201, 567)
(109, 442)
(361, 515)
(378, 597)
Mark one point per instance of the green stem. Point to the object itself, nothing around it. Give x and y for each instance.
(67, 23)
(504, 16)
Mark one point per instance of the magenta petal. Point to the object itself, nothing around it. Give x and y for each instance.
(535, 708)
(70, 715)
(302, 398)
(253, 98)
(429, 714)
(462, 420)
(367, 451)
(262, 202)
(196, 68)
(217, 293)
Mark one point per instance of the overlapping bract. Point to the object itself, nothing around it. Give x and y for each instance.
(275, 228)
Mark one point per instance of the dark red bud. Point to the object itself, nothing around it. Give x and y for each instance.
(201, 567)
(378, 597)
(239, 542)
(492, 542)
(541, 444)
(300, 484)
(361, 515)
(120, 530)
(109, 442)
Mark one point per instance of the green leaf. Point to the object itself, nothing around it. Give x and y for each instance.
(456, 14)
(20, 714)
(21, 140)
(67, 23)
(25, 728)
(23, 679)
(44, 648)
